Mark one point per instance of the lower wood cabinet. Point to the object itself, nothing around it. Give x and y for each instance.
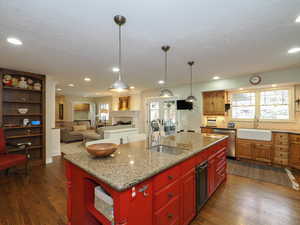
(284, 150)
(188, 197)
(254, 150)
(262, 152)
(294, 155)
(244, 149)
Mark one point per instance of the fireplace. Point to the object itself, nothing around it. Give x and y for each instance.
(125, 117)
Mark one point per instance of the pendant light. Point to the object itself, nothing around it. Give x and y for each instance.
(165, 92)
(191, 98)
(119, 85)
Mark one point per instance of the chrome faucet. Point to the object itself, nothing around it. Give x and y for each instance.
(154, 137)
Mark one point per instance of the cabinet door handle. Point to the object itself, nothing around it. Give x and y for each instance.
(170, 215)
(170, 177)
(170, 195)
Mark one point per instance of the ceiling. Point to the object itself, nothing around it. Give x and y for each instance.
(73, 39)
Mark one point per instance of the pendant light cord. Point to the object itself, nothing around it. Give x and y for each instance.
(191, 84)
(166, 68)
(120, 53)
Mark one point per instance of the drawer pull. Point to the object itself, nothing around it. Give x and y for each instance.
(170, 216)
(170, 177)
(170, 195)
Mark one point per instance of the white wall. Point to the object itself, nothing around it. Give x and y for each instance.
(193, 119)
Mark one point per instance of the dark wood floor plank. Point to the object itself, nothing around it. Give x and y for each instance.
(40, 199)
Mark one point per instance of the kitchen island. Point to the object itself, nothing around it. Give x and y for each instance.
(142, 186)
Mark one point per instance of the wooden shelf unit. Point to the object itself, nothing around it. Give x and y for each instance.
(20, 89)
(23, 115)
(21, 127)
(21, 102)
(23, 136)
(14, 98)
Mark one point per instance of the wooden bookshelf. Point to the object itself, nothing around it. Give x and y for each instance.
(23, 115)
(23, 136)
(13, 98)
(21, 127)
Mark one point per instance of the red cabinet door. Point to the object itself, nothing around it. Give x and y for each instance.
(188, 197)
(140, 209)
(211, 176)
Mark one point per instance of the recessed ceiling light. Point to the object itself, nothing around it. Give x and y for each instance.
(115, 69)
(216, 77)
(58, 89)
(241, 89)
(87, 79)
(161, 81)
(71, 85)
(131, 87)
(297, 20)
(274, 85)
(294, 50)
(14, 41)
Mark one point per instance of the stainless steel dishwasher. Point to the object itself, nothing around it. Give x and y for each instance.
(231, 133)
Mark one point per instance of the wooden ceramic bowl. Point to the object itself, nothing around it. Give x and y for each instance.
(102, 149)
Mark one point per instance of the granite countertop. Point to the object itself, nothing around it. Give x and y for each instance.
(290, 131)
(133, 163)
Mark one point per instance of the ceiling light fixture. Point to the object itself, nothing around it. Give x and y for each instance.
(274, 85)
(115, 69)
(87, 79)
(191, 98)
(71, 85)
(59, 89)
(119, 85)
(131, 87)
(165, 92)
(294, 50)
(161, 82)
(14, 41)
(297, 20)
(216, 77)
(241, 89)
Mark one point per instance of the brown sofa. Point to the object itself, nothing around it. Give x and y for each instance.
(67, 136)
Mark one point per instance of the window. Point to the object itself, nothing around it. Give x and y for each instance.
(267, 104)
(274, 105)
(243, 105)
(104, 112)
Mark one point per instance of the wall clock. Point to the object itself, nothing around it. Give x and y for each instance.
(254, 80)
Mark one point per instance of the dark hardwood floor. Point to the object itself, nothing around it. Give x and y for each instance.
(40, 199)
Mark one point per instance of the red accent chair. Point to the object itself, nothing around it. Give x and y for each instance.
(10, 160)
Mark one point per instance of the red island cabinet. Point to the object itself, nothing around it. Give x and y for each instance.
(168, 198)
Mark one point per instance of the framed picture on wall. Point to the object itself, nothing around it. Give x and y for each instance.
(124, 103)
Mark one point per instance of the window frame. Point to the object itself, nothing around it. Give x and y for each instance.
(291, 93)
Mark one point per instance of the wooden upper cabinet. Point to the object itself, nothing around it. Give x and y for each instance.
(214, 103)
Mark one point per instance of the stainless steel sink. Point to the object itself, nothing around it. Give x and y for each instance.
(167, 149)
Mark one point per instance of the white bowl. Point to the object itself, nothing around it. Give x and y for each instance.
(22, 110)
